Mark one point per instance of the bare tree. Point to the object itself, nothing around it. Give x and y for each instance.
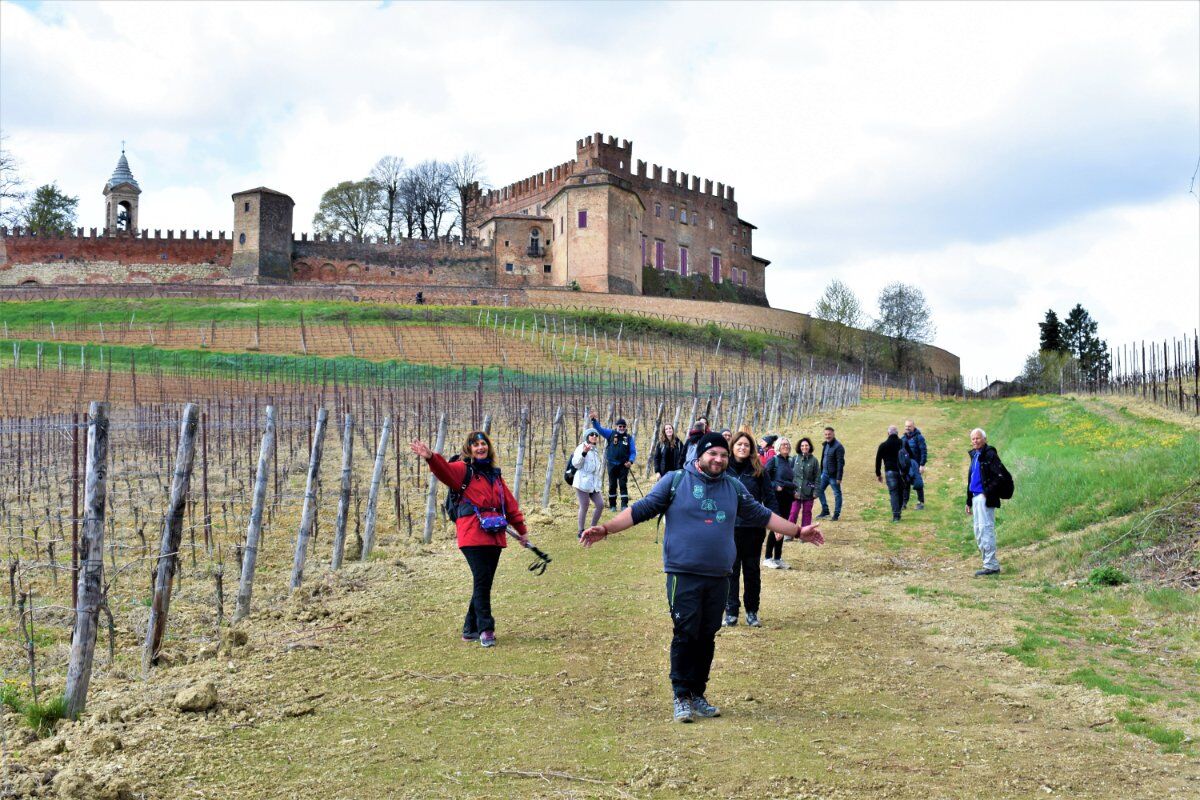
(388, 173)
(433, 194)
(409, 202)
(905, 318)
(349, 208)
(841, 314)
(467, 176)
(10, 186)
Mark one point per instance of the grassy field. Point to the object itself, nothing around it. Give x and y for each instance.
(884, 669)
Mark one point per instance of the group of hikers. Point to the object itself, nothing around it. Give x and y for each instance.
(718, 494)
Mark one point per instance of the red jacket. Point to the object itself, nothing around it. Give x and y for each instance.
(485, 494)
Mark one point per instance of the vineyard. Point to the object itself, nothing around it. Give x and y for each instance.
(188, 500)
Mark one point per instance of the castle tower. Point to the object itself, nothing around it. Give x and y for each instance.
(262, 236)
(121, 199)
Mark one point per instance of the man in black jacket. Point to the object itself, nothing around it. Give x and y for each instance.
(983, 498)
(833, 463)
(888, 455)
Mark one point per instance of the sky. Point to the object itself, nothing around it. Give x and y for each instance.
(1004, 158)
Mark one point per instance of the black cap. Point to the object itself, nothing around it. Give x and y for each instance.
(770, 439)
(621, 421)
(710, 440)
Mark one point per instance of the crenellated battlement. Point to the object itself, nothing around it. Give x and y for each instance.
(379, 244)
(534, 184)
(106, 235)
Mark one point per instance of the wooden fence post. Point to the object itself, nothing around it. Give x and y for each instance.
(310, 499)
(172, 535)
(373, 495)
(91, 575)
(522, 435)
(554, 432)
(254, 530)
(431, 493)
(339, 536)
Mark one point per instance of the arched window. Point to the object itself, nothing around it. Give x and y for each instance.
(124, 215)
(535, 242)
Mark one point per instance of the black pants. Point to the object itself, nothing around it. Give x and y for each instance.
(618, 474)
(749, 542)
(697, 603)
(915, 481)
(483, 560)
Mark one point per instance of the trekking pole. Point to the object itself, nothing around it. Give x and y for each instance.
(541, 559)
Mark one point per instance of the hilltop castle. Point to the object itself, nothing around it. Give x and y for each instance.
(592, 223)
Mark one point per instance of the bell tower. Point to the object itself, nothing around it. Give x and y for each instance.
(121, 198)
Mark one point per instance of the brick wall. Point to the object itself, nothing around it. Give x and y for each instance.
(409, 262)
(112, 259)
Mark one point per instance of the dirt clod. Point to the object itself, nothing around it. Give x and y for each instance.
(198, 697)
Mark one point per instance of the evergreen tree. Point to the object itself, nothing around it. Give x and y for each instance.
(1080, 339)
(50, 211)
(1051, 334)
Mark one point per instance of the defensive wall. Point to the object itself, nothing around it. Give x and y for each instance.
(97, 258)
(942, 363)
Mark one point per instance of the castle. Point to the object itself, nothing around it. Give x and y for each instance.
(593, 223)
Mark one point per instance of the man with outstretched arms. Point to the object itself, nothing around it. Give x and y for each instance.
(700, 505)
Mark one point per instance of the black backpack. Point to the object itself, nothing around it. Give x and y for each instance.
(569, 473)
(1004, 481)
(453, 501)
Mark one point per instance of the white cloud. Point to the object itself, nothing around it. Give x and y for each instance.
(933, 138)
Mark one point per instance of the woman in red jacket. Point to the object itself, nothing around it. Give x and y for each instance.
(486, 509)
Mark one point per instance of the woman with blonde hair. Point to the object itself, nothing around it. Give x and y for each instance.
(485, 509)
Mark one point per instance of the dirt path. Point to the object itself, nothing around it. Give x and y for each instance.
(853, 687)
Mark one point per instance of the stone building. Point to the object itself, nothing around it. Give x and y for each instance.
(597, 223)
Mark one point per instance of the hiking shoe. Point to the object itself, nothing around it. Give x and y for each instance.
(823, 515)
(834, 518)
(729, 621)
(920, 506)
(895, 519)
(470, 637)
(703, 708)
(683, 710)
(752, 620)
(769, 563)
(781, 564)
(982, 572)
(487, 639)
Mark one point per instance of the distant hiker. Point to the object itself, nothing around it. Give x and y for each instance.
(888, 455)
(420, 298)
(701, 506)
(766, 448)
(668, 451)
(779, 471)
(728, 434)
(984, 475)
(747, 536)
(589, 476)
(485, 509)
(806, 471)
(914, 445)
(699, 428)
(833, 464)
(619, 455)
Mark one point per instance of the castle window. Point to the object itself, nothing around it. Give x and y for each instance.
(508, 267)
(671, 213)
(683, 215)
(583, 218)
(560, 224)
(506, 242)
(546, 269)
(658, 209)
(710, 223)
(683, 261)
(743, 277)
(644, 264)
(241, 238)
(660, 254)
(535, 242)
(247, 208)
(716, 269)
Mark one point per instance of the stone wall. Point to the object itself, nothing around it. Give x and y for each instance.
(409, 262)
(113, 259)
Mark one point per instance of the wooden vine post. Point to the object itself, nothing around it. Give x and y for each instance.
(254, 530)
(431, 492)
(339, 535)
(373, 495)
(91, 574)
(172, 535)
(309, 511)
(522, 435)
(554, 433)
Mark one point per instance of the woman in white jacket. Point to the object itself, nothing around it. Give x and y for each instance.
(589, 476)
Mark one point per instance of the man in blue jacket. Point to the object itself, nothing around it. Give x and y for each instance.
(914, 444)
(619, 457)
(700, 505)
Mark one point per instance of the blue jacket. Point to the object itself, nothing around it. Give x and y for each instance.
(698, 537)
(621, 447)
(915, 445)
